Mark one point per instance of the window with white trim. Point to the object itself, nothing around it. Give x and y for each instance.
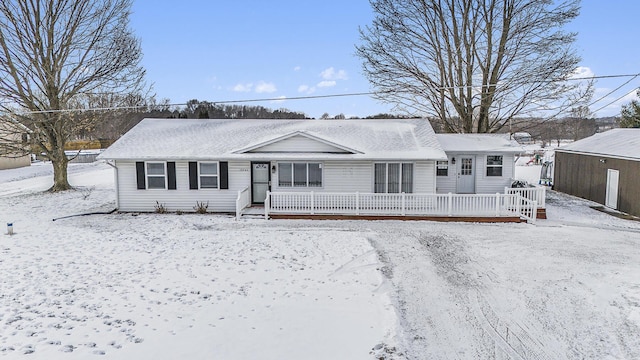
(156, 175)
(208, 175)
(442, 168)
(494, 165)
(393, 178)
(299, 174)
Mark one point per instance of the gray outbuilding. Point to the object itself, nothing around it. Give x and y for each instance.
(604, 168)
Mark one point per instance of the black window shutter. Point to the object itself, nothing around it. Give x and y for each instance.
(193, 175)
(171, 175)
(140, 175)
(224, 175)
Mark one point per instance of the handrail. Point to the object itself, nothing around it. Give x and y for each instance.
(402, 204)
(267, 204)
(242, 201)
(537, 193)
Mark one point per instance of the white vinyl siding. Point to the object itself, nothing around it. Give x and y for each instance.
(484, 184)
(298, 144)
(184, 199)
(495, 184)
(337, 176)
(352, 176)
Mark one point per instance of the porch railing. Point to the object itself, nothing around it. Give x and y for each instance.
(532, 193)
(242, 201)
(494, 205)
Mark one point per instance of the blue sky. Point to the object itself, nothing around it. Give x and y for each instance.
(252, 49)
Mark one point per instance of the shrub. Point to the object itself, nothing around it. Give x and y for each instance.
(160, 208)
(201, 207)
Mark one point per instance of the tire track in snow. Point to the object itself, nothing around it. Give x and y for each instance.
(514, 341)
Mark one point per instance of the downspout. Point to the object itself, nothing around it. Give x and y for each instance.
(116, 183)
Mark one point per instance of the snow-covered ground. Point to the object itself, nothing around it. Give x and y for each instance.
(152, 286)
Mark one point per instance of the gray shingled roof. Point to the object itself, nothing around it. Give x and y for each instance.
(474, 143)
(624, 143)
(196, 139)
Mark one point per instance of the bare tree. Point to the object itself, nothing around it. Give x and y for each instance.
(475, 65)
(53, 55)
(580, 124)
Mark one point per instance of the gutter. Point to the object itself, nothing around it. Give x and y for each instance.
(115, 182)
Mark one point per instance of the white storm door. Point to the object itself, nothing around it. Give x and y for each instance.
(465, 175)
(611, 197)
(260, 177)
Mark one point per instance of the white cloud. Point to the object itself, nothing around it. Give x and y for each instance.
(582, 72)
(264, 87)
(306, 89)
(243, 87)
(332, 74)
(326, 83)
(297, 68)
(281, 99)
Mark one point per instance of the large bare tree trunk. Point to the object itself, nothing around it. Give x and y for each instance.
(55, 57)
(60, 177)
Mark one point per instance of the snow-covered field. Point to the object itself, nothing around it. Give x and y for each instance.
(152, 286)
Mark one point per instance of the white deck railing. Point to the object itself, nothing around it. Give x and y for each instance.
(532, 193)
(472, 205)
(242, 201)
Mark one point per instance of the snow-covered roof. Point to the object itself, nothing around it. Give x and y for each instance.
(479, 143)
(624, 143)
(195, 139)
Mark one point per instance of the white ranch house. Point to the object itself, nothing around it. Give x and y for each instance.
(293, 168)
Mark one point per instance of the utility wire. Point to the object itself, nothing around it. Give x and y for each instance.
(632, 76)
(618, 99)
(613, 91)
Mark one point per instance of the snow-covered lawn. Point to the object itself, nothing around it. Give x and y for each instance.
(167, 286)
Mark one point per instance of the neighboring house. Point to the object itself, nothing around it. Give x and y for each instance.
(298, 167)
(603, 168)
(12, 137)
(476, 163)
(523, 138)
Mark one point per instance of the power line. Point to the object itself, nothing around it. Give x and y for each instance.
(133, 107)
(616, 100)
(309, 97)
(612, 91)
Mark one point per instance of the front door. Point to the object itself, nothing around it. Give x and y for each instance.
(611, 197)
(260, 177)
(465, 175)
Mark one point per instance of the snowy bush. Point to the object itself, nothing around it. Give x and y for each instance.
(201, 207)
(160, 208)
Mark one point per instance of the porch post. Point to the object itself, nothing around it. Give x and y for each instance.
(449, 204)
(403, 204)
(267, 202)
(357, 203)
(497, 204)
(312, 203)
